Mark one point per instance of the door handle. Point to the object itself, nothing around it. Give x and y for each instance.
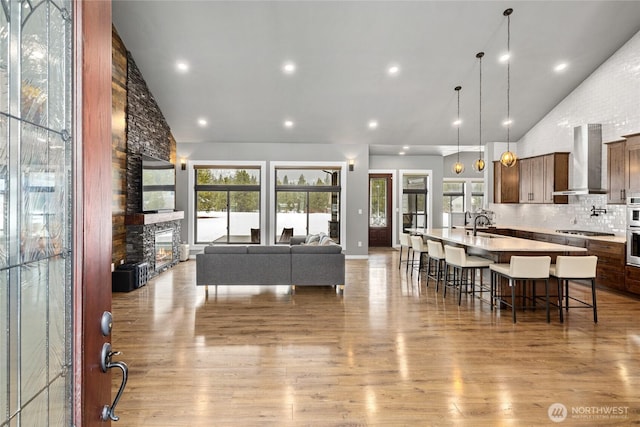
(108, 412)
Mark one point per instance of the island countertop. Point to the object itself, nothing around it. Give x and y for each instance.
(493, 243)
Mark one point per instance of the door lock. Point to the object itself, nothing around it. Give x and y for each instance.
(108, 412)
(106, 323)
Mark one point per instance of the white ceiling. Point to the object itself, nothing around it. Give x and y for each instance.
(342, 49)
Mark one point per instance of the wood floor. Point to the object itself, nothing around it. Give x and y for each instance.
(387, 352)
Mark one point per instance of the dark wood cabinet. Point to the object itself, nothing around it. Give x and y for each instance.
(632, 279)
(611, 263)
(540, 176)
(632, 163)
(505, 183)
(616, 172)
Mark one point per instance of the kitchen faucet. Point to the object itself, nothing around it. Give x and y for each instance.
(469, 215)
(475, 222)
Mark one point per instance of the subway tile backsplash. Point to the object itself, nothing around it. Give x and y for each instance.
(576, 215)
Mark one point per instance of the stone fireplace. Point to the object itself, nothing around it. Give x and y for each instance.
(154, 238)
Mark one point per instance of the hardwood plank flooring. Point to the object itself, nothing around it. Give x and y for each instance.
(389, 351)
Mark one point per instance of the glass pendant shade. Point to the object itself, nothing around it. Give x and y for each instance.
(478, 165)
(457, 168)
(508, 159)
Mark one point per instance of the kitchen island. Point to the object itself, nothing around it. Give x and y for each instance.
(496, 247)
(500, 249)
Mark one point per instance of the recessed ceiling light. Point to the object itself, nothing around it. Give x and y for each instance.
(182, 66)
(504, 58)
(457, 122)
(560, 67)
(202, 122)
(406, 147)
(393, 70)
(373, 124)
(507, 122)
(401, 153)
(288, 124)
(289, 67)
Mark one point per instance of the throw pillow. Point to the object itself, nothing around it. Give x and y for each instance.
(312, 238)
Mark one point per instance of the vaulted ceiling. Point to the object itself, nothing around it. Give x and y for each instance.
(342, 50)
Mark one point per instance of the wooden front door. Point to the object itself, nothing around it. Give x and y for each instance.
(92, 201)
(380, 205)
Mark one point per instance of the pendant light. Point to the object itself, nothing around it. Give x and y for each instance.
(479, 164)
(458, 167)
(508, 158)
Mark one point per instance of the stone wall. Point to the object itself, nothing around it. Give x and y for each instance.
(139, 127)
(147, 133)
(119, 149)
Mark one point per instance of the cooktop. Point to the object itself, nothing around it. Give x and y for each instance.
(585, 232)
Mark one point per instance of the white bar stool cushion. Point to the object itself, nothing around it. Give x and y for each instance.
(574, 267)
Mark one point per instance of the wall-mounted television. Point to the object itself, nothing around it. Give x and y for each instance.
(158, 185)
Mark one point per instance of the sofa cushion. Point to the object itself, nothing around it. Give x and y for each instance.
(225, 249)
(312, 249)
(279, 249)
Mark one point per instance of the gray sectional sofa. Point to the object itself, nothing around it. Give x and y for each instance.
(295, 264)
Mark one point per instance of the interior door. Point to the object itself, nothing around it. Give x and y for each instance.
(380, 205)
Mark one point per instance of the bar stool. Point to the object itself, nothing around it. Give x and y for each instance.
(575, 268)
(521, 269)
(405, 242)
(418, 246)
(435, 254)
(462, 265)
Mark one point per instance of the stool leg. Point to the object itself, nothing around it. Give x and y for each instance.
(595, 305)
(463, 277)
(546, 289)
(512, 283)
(560, 298)
(566, 293)
(400, 261)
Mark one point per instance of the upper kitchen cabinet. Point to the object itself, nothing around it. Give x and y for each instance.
(632, 172)
(542, 175)
(505, 183)
(616, 172)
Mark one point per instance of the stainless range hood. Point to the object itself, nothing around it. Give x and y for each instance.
(586, 175)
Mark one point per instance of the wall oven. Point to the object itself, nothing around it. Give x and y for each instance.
(633, 229)
(633, 246)
(633, 211)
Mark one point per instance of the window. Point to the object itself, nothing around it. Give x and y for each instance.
(227, 204)
(308, 200)
(453, 197)
(477, 195)
(414, 201)
(460, 196)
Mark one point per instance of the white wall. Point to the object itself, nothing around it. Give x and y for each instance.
(356, 225)
(611, 97)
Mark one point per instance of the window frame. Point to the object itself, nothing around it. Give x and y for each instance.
(193, 165)
(340, 167)
(428, 192)
(467, 194)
